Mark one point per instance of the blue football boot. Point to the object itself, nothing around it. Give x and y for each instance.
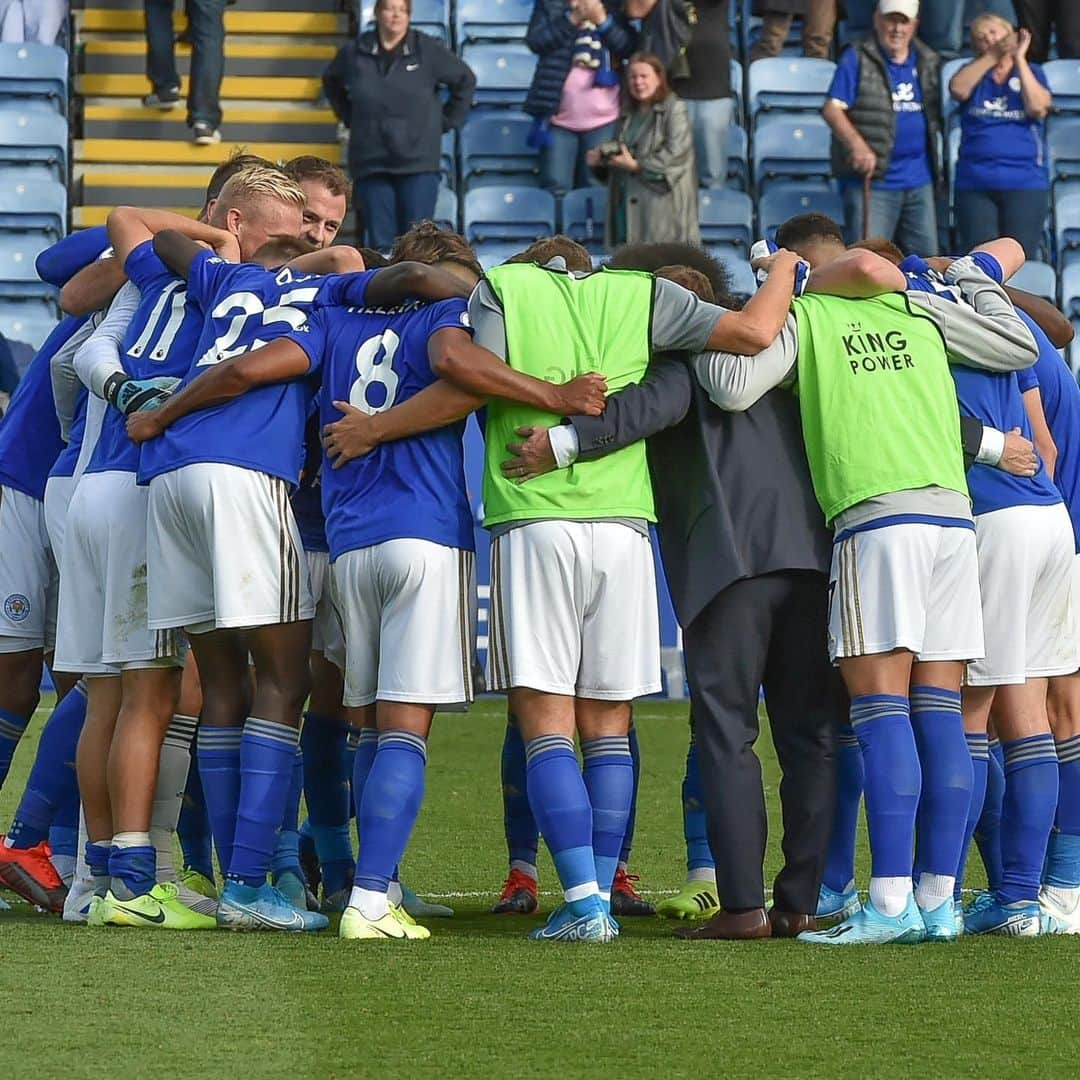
(837, 906)
(987, 915)
(869, 927)
(577, 920)
(941, 924)
(243, 907)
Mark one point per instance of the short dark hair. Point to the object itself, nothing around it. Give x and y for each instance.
(654, 257)
(691, 279)
(426, 243)
(879, 245)
(657, 65)
(310, 167)
(554, 247)
(228, 169)
(408, 6)
(805, 229)
(284, 249)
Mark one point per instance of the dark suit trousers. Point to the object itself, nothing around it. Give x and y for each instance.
(766, 631)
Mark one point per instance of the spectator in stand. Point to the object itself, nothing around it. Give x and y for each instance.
(941, 25)
(884, 110)
(574, 96)
(32, 20)
(1042, 17)
(1002, 182)
(206, 32)
(819, 22)
(706, 89)
(385, 88)
(649, 166)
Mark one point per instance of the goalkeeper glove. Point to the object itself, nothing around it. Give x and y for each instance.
(137, 395)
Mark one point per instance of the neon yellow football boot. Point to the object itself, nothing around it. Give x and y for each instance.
(396, 924)
(159, 909)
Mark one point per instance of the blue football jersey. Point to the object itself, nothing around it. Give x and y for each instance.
(245, 306)
(29, 431)
(410, 489)
(68, 460)
(160, 340)
(1061, 404)
(307, 498)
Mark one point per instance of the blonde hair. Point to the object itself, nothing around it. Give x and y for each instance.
(988, 18)
(261, 182)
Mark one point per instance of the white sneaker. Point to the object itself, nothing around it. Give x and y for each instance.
(1060, 910)
(77, 904)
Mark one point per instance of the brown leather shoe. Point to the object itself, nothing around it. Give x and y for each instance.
(728, 926)
(789, 924)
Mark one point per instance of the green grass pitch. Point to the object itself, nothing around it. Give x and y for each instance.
(480, 1000)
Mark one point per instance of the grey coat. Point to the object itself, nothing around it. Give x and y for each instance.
(661, 201)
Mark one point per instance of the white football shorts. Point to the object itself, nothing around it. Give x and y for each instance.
(103, 625)
(912, 586)
(573, 611)
(1026, 564)
(223, 551)
(408, 610)
(28, 575)
(58, 493)
(326, 633)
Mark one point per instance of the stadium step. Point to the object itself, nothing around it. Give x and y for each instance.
(258, 88)
(170, 187)
(255, 123)
(333, 6)
(259, 21)
(127, 56)
(174, 151)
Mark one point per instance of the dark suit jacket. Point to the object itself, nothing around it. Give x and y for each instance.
(732, 490)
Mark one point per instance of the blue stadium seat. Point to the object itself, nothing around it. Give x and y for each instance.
(446, 209)
(782, 201)
(791, 148)
(448, 159)
(503, 73)
(743, 283)
(737, 92)
(1063, 142)
(1064, 79)
(1070, 291)
(494, 149)
(28, 320)
(34, 134)
(494, 253)
(29, 206)
(18, 277)
(788, 84)
(492, 20)
(1067, 229)
(508, 213)
(430, 16)
(584, 212)
(950, 107)
(726, 217)
(30, 70)
(736, 146)
(1036, 278)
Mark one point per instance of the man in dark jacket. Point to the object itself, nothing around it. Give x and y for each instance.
(819, 21)
(884, 108)
(385, 89)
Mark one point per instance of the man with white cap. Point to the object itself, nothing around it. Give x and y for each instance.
(884, 108)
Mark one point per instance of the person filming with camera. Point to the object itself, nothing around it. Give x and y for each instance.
(649, 165)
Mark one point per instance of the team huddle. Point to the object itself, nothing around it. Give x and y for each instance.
(234, 522)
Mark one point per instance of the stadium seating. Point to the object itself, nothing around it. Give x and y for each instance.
(584, 211)
(430, 16)
(950, 107)
(448, 159)
(34, 71)
(736, 147)
(30, 320)
(18, 276)
(492, 20)
(508, 213)
(782, 201)
(34, 134)
(493, 253)
(788, 84)
(726, 217)
(1064, 79)
(743, 283)
(791, 148)
(1037, 278)
(1067, 229)
(503, 73)
(494, 150)
(446, 209)
(1063, 140)
(28, 206)
(1070, 291)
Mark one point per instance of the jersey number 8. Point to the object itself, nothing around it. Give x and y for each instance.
(374, 367)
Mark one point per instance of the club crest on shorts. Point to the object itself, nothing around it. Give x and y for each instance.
(17, 607)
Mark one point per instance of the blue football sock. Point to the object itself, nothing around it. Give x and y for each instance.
(12, 727)
(367, 743)
(840, 858)
(560, 803)
(609, 779)
(1063, 852)
(64, 841)
(980, 760)
(391, 801)
(695, 830)
(267, 761)
(218, 750)
(193, 825)
(947, 777)
(134, 865)
(988, 828)
(891, 766)
(287, 849)
(52, 788)
(1027, 814)
(628, 837)
(326, 771)
(97, 858)
(519, 825)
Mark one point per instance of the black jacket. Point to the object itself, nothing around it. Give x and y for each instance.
(551, 35)
(394, 115)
